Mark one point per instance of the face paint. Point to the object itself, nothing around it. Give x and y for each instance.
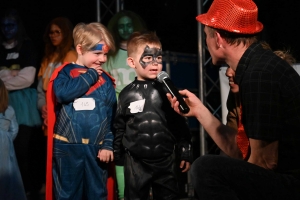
(125, 27)
(150, 56)
(9, 28)
(101, 47)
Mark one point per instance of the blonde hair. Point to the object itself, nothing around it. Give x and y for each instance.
(4, 97)
(141, 38)
(89, 35)
(285, 55)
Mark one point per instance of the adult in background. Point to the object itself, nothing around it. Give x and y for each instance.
(18, 61)
(59, 49)
(270, 97)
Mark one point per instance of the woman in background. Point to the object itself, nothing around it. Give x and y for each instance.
(58, 49)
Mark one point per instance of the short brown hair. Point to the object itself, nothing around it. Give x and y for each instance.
(4, 97)
(139, 38)
(234, 38)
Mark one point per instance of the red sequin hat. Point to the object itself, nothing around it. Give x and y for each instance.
(238, 16)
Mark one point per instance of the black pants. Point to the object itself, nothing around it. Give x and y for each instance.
(219, 177)
(30, 148)
(159, 174)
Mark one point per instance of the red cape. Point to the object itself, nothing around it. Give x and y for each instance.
(51, 103)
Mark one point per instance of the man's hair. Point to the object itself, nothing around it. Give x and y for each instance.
(89, 35)
(234, 38)
(4, 97)
(141, 38)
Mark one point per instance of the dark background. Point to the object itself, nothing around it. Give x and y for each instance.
(175, 24)
(173, 20)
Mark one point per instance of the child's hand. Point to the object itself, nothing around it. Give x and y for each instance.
(186, 165)
(98, 69)
(105, 155)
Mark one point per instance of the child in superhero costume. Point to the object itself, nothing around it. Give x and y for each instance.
(147, 126)
(85, 105)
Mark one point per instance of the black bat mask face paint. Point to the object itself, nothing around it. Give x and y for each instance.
(151, 55)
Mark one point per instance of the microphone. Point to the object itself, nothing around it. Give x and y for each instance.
(164, 78)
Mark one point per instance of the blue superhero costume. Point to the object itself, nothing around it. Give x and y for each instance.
(80, 132)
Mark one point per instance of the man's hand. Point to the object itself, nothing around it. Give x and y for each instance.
(105, 155)
(190, 99)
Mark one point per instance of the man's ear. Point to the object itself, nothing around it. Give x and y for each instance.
(219, 40)
(130, 62)
(79, 49)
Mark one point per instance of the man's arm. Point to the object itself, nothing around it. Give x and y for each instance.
(223, 136)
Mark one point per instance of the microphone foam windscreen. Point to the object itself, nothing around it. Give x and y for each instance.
(162, 75)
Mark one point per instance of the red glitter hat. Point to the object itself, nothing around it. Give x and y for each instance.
(238, 16)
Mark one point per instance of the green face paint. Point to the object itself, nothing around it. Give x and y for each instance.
(125, 27)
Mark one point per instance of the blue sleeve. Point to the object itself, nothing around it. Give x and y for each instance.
(14, 127)
(67, 88)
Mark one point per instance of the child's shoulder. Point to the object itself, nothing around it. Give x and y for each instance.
(127, 88)
(70, 66)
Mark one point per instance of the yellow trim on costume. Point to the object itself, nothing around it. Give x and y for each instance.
(101, 142)
(85, 140)
(59, 137)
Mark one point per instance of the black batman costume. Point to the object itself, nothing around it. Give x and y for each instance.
(147, 132)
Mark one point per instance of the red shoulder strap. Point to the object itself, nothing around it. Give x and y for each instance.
(112, 78)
